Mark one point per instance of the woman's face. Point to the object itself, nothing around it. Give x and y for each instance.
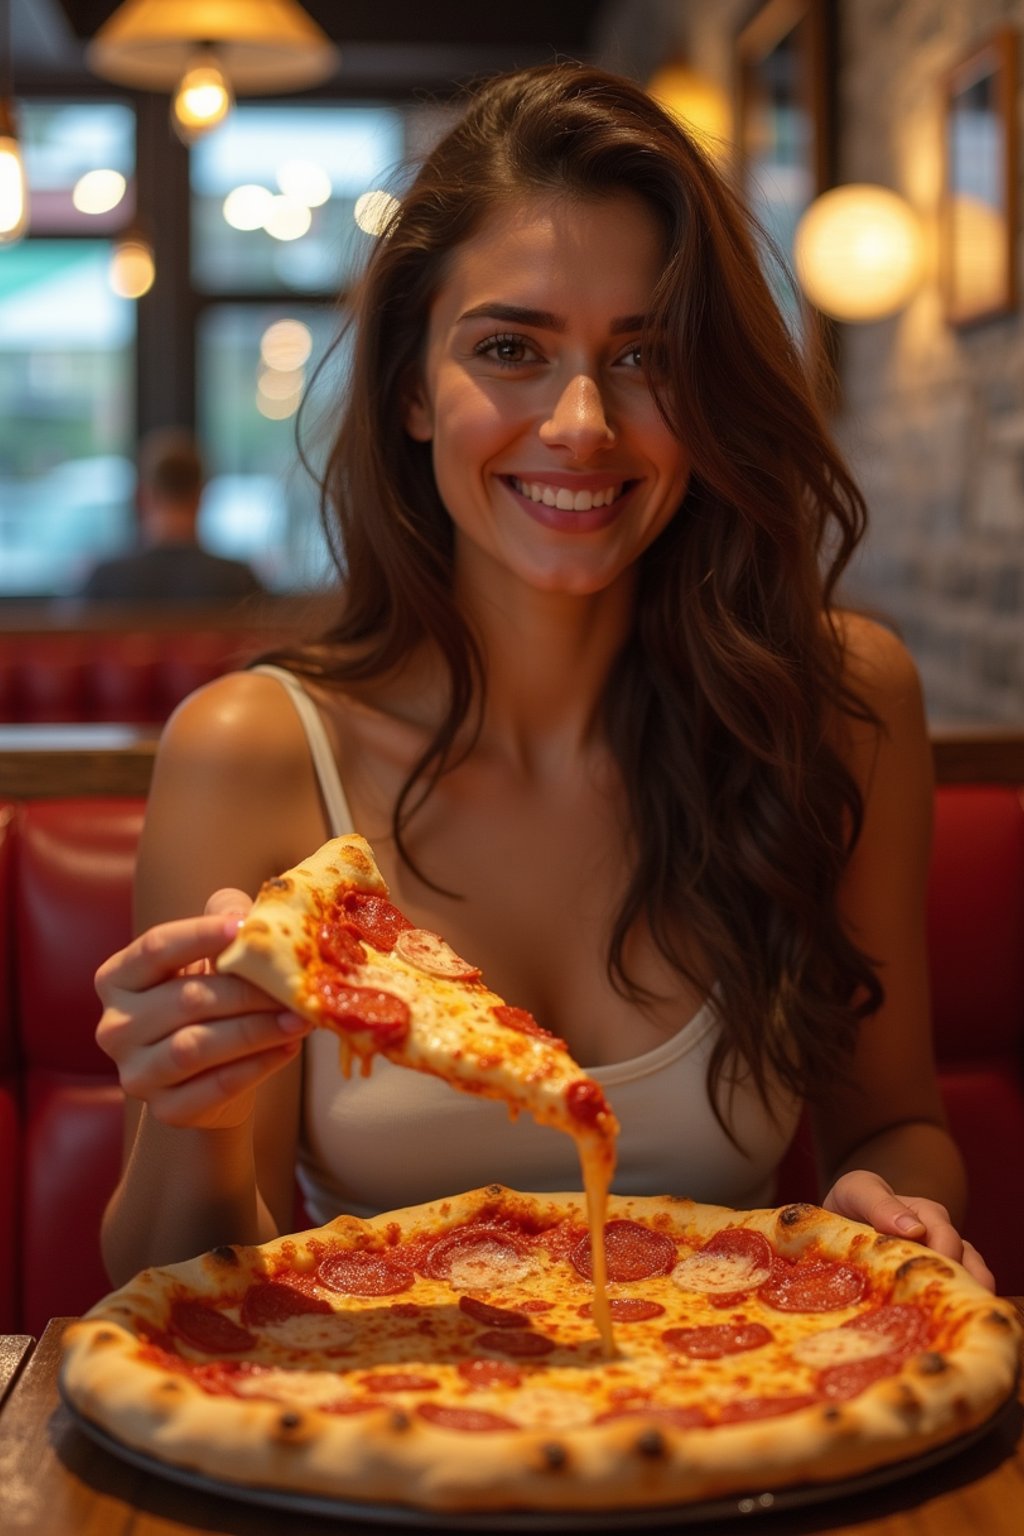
(549, 452)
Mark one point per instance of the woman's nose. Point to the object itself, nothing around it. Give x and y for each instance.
(578, 420)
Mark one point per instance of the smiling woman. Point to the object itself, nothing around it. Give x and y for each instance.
(590, 699)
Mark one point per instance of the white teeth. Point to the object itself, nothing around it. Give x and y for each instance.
(566, 500)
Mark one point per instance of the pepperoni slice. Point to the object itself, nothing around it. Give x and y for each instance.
(274, 1301)
(680, 1416)
(367, 1009)
(489, 1373)
(494, 1252)
(813, 1285)
(841, 1382)
(586, 1102)
(399, 1381)
(906, 1328)
(523, 1021)
(448, 1416)
(429, 953)
(734, 1261)
(364, 1274)
(715, 1340)
(626, 1309)
(339, 946)
(207, 1329)
(521, 1343)
(373, 918)
(743, 1409)
(632, 1252)
(491, 1317)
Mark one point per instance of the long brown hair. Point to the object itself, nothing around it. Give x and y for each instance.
(722, 707)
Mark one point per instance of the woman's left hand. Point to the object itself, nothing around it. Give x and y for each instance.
(864, 1196)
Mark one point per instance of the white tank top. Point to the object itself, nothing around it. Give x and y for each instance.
(395, 1138)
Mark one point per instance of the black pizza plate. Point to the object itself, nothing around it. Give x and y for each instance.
(530, 1520)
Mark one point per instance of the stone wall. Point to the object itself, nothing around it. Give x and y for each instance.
(931, 417)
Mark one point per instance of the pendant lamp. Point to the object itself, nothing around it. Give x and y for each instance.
(204, 52)
(13, 185)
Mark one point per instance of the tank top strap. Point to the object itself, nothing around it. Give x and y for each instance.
(331, 788)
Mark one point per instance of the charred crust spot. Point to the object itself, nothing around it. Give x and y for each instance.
(554, 1455)
(997, 1319)
(225, 1254)
(400, 1421)
(931, 1363)
(290, 1421)
(104, 1336)
(277, 883)
(169, 1387)
(651, 1444)
(794, 1214)
(832, 1416)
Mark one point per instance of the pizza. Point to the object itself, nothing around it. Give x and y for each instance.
(326, 940)
(444, 1357)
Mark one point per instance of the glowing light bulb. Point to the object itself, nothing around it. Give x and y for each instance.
(203, 98)
(98, 191)
(132, 268)
(13, 185)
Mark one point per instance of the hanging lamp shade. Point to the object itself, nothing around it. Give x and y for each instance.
(265, 46)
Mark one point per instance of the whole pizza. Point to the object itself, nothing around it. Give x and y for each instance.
(446, 1357)
(509, 1351)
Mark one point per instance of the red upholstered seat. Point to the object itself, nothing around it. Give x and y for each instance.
(10, 1139)
(73, 879)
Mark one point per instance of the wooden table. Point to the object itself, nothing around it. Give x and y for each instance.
(54, 1481)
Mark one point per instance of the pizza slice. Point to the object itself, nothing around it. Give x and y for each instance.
(325, 939)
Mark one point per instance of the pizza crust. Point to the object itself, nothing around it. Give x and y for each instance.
(391, 1454)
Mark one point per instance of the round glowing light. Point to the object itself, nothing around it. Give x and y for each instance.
(277, 409)
(247, 206)
(374, 211)
(14, 208)
(98, 191)
(281, 383)
(202, 101)
(132, 269)
(286, 345)
(858, 252)
(305, 182)
(286, 219)
(978, 256)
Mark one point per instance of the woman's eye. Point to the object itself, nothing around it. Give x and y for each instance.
(633, 356)
(508, 350)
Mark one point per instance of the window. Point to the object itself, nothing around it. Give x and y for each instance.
(67, 348)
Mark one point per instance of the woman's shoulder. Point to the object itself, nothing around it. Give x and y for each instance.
(877, 664)
(239, 717)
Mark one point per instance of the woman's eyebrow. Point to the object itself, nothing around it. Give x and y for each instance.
(543, 319)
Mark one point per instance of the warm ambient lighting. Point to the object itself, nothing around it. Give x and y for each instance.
(700, 104)
(203, 98)
(13, 186)
(132, 268)
(858, 252)
(98, 191)
(374, 211)
(13, 183)
(257, 46)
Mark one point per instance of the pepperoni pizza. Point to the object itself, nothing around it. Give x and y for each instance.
(444, 1357)
(325, 939)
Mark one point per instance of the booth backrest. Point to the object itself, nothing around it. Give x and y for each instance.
(65, 875)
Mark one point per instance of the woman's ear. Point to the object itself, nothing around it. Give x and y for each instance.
(417, 410)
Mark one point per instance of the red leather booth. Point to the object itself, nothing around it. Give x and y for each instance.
(65, 872)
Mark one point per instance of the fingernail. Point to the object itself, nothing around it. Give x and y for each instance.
(908, 1223)
(290, 1023)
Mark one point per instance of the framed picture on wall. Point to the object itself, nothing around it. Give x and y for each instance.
(979, 214)
(784, 137)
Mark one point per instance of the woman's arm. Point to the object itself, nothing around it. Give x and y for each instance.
(208, 1062)
(881, 1132)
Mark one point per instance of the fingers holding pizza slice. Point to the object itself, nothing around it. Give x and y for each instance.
(326, 940)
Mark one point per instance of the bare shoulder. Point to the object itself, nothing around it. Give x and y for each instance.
(893, 749)
(234, 796)
(878, 664)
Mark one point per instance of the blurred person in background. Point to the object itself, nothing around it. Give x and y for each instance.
(169, 564)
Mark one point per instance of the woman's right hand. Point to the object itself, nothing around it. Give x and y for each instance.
(192, 1045)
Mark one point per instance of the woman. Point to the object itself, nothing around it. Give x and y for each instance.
(591, 701)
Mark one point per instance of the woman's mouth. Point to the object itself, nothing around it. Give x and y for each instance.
(563, 498)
